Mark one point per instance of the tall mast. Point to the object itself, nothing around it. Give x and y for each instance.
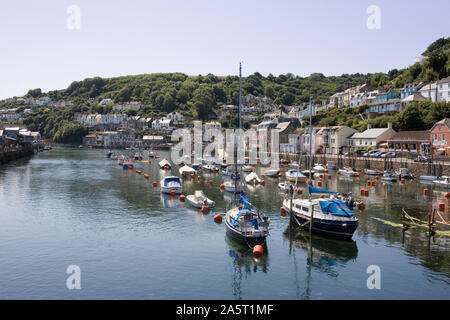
(237, 138)
(310, 137)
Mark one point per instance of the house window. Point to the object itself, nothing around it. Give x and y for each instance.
(443, 136)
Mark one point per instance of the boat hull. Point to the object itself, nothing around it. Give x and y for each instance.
(236, 234)
(327, 227)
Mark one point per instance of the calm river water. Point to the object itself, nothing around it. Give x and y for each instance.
(76, 207)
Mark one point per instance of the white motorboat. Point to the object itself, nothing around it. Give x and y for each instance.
(285, 186)
(171, 184)
(164, 164)
(443, 181)
(295, 176)
(199, 199)
(272, 172)
(331, 165)
(319, 168)
(247, 168)
(229, 186)
(348, 172)
(186, 171)
(252, 178)
(210, 168)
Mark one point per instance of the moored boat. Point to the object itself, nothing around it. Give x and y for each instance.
(319, 168)
(171, 184)
(164, 164)
(295, 176)
(252, 178)
(347, 171)
(199, 199)
(186, 170)
(443, 181)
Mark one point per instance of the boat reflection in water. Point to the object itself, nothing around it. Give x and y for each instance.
(244, 263)
(170, 202)
(323, 253)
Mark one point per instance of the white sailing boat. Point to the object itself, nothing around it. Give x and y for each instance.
(186, 170)
(199, 199)
(252, 178)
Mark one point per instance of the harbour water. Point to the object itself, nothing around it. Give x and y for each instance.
(76, 207)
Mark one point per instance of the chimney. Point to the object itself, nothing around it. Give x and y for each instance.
(369, 126)
(389, 125)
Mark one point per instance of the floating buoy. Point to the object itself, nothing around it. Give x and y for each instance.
(441, 206)
(322, 196)
(403, 180)
(192, 175)
(377, 177)
(211, 182)
(155, 184)
(263, 182)
(319, 183)
(361, 206)
(282, 211)
(361, 192)
(369, 183)
(357, 174)
(258, 250)
(146, 176)
(218, 218)
(299, 191)
(329, 176)
(206, 181)
(338, 173)
(130, 167)
(366, 192)
(320, 176)
(198, 178)
(279, 175)
(222, 186)
(425, 192)
(138, 171)
(173, 193)
(447, 195)
(182, 197)
(204, 209)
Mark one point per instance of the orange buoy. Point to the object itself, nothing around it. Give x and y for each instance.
(299, 191)
(192, 175)
(369, 183)
(441, 206)
(403, 180)
(366, 192)
(258, 250)
(282, 211)
(320, 176)
(326, 170)
(425, 192)
(155, 184)
(329, 176)
(198, 178)
(447, 195)
(146, 176)
(338, 173)
(361, 206)
(218, 218)
(377, 177)
(322, 196)
(211, 182)
(263, 182)
(279, 175)
(206, 181)
(204, 209)
(173, 193)
(182, 197)
(319, 183)
(138, 171)
(361, 192)
(222, 186)
(357, 174)
(130, 167)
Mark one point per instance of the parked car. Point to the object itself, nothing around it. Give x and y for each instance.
(422, 159)
(389, 154)
(370, 153)
(379, 154)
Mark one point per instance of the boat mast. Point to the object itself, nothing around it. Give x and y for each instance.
(310, 138)
(237, 138)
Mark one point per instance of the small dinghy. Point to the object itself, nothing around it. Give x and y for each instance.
(443, 181)
(285, 186)
(370, 172)
(164, 164)
(247, 168)
(331, 165)
(429, 178)
(403, 173)
(229, 186)
(348, 172)
(252, 178)
(319, 168)
(186, 171)
(199, 199)
(210, 168)
(171, 184)
(295, 176)
(272, 172)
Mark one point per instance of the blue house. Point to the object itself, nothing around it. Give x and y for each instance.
(386, 96)
(410, 88)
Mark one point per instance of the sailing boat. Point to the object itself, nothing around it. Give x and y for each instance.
(244, 221)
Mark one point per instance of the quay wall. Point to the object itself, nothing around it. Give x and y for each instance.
(437, 168)
(10, 155)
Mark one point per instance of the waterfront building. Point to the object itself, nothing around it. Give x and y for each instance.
(417, 142)
(371, 138)
(334, 139)
(440, 137)
(164, 125)
(176, 117)
(443, 90)
(409, 89)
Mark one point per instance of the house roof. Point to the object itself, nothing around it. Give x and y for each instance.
(369, 133)
(445, 80)
(416, 96)
(422, 135)
(283, 126)
(445, 121)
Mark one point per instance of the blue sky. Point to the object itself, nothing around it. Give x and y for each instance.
(208, 36)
